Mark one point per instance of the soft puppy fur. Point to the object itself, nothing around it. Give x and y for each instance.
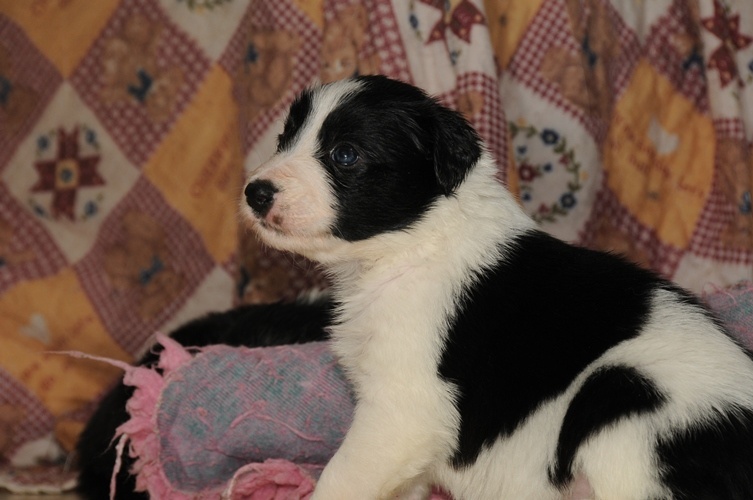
(486, 356)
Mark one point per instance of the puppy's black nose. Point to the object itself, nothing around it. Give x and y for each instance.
(260, 196)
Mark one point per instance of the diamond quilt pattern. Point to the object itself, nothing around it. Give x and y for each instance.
(127, 126)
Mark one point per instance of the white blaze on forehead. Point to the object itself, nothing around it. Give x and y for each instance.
(323, 101)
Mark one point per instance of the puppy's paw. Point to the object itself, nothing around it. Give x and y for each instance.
(417, 490)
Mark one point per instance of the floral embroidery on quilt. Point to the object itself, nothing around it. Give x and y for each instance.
(69, 163)
(343, 42)
(457, 18)
(560, 159)
(130, 69)
(726, 27)
(140, 263)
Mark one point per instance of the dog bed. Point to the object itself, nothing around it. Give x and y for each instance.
(240, 423)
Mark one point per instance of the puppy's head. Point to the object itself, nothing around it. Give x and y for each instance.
(356, 159)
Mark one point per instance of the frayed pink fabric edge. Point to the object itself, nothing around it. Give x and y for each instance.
(139, 432)
(274, 479)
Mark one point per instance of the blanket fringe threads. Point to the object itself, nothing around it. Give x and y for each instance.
(271, 480)
(274, 479)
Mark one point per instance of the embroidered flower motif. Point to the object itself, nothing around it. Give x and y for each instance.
(727, 29)
(549, 136)
(459, 20)
(527, 172)
(413, 20)
(568, 200)
(531, 171)
(66, 173)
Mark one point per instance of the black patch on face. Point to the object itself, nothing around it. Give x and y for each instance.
(299, 112)
(711, 460)
(530, 325)
(411, 150)
(608, 395)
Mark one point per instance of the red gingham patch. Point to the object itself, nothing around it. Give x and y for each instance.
(37, 420)
(684, 71)
(384, 39)
(729, 128)
(127, 117)
(185, 259)
(28, 72)
(31, 253)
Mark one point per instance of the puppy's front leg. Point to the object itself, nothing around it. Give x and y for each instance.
(384, 455)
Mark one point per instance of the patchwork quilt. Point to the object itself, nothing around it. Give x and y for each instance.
(127, 126)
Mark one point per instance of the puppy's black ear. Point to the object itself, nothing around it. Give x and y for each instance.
(457, 148)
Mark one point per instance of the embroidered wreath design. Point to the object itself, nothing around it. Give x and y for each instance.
(530, 171)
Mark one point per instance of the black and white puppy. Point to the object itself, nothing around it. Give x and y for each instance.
(486, 356)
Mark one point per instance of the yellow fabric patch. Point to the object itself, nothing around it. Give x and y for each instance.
(508, 21)
(48, 24)
(659, 156)
(198, 168)
(49, 315)
(314, 9)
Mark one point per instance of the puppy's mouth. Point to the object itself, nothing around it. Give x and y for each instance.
(278, 224)
(273, 223)
(283, 216)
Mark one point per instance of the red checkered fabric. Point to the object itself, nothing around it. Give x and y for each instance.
(116, 231)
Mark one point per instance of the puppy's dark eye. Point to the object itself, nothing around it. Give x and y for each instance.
(344, 155)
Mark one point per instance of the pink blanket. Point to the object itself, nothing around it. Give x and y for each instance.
(207, 426)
